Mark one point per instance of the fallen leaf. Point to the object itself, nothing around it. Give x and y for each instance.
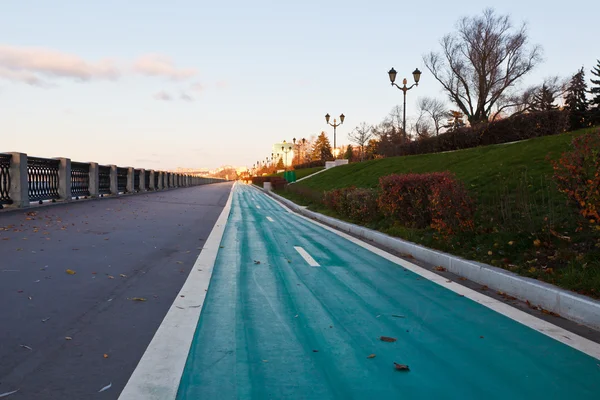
(70, 272)
(401, 367)
(123, 275)
(111, 277)
(105, 388)
(179, 262)
(440, 268)
(8, 393)
(387, 339)
(138, 299)
(25, 347)
(106, 356)
(256, 262)
(371, 356)
(45, 319)
(68, 338)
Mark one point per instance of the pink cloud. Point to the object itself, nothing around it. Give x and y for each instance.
(158, 65)
(30, 65)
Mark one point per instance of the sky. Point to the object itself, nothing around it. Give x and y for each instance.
(198, 84)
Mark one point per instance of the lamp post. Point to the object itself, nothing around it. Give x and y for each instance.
(335, 125)
(417, 76)
(286, 150)
(295, 150)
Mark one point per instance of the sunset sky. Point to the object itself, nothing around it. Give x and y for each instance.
(160, 85)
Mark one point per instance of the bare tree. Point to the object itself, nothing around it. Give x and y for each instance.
(361, 136)
(433, 109)
(482, 62)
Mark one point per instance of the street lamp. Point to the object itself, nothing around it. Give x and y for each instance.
(286, 150)
(335, 125)
(416, 76)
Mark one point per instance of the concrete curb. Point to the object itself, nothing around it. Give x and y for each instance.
(570, 305)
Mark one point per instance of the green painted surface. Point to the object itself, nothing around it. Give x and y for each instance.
(261, 324)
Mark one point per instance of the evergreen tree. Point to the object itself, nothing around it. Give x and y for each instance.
(455, 120)
(595, 92)
(322, 148)
(576, 101)
(280, 164)
(543, 100)
(349, 153)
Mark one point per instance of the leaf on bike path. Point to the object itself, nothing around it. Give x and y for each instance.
(70, 272)
(401, 367)
(387, 339)
(138, 299)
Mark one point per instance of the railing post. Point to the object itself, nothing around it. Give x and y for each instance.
(170, 179)
(142, 180)
(160, 180)
(114, 181)
(94, 180)
(19, 184)
(130, 180)
(64, 179)
(152, 180)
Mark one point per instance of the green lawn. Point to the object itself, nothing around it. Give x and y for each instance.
(301, 173)
(517, 203)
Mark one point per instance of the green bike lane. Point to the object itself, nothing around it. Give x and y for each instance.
(274, 327)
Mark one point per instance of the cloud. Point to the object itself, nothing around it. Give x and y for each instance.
(158, 65)
(186, 97)
(30, 65)
(163, 96)
(197, 87)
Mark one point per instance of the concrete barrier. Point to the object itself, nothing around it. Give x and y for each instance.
(573, 306)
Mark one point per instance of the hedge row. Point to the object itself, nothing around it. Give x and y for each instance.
(435, 200)
(277, 182)
(310, 164)
(515, 128)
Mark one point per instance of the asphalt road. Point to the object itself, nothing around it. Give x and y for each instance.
(131, 247)
(294, 311)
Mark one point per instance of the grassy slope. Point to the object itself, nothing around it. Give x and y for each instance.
(301, 173)
(517, 202)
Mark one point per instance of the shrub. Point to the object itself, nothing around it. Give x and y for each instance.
(405, 197)
(310, 164)
(577, 174)
(337, 200)
(277, 182)
(433, 199)
(452, 209)
(362, 204)
(512, 129)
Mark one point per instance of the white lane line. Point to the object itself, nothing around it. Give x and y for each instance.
(555, 332)
(270, 219)
(307, 257)
(159, 371)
